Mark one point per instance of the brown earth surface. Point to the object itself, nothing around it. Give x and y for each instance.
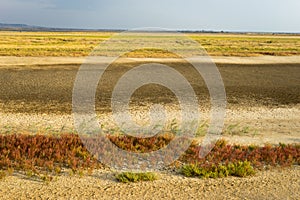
(263, 106)
(270, 184)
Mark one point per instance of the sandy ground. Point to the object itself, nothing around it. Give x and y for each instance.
(272, 184)
(13, 61)
(263, 95)
(256, 125)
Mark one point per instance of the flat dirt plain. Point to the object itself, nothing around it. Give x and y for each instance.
(263, 95)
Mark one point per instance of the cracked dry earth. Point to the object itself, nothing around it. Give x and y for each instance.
(270, 184)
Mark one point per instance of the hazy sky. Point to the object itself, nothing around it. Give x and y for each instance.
(227, 15)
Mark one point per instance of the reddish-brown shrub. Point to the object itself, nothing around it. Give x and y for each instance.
(36, 153)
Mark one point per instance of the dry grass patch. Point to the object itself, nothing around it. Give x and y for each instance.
(82, 43)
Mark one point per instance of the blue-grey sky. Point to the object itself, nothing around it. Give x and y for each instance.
(227, 15)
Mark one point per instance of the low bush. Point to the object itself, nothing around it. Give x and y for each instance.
(239, 169)
(127, 177)
(35, 154)
(48, 155)
(259, 157)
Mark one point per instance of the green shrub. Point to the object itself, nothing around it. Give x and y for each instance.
(240, 169)
(127, 177)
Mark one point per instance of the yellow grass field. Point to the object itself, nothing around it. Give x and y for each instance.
(76, 44)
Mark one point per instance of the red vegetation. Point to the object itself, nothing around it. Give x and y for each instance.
(40, 153)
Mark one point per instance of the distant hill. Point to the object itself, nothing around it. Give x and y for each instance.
(4, 26)
(26, 27)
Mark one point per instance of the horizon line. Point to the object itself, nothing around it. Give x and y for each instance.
(27, 27)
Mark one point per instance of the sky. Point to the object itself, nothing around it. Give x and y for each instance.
(218, 15)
